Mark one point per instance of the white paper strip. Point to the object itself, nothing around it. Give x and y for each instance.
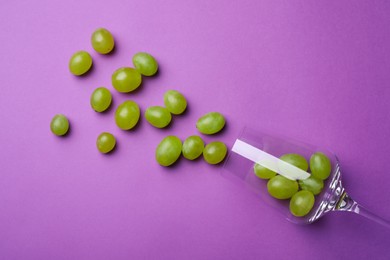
(269, 161)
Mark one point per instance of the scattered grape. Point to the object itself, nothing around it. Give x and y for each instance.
(175, 102)
(127, 115)
(126, 79)
(80, 63)
(168, 151)
(101, 99)
(214, 152)
(193, 147)
(102, 41)
(158, 116)
(210, 123)
(59, 125)
(105, 142)
(145, 63)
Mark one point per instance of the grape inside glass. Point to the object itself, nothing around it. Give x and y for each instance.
(253, 147)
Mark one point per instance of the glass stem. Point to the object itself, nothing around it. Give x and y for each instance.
(346, 203)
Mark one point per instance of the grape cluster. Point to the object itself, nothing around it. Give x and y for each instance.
(302, 193)
(128, 113)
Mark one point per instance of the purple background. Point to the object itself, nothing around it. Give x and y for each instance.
(318, 71)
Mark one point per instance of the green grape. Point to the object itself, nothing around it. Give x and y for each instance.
(101, 99)
(210, 123)
(301, 203)
(168, 151)
(59, 125)
(158, 116)
(175, 102)
(105, 142)
(80, 63)
(312, 184)
(320, 166)
(281, 188)
(193, 147)
(126, 79)
(295, 159)
(145, 63)
(127, 115)
(102, 41)
(214, 152)
(263, 172)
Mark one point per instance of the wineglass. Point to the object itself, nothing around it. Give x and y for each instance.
(255, 147)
